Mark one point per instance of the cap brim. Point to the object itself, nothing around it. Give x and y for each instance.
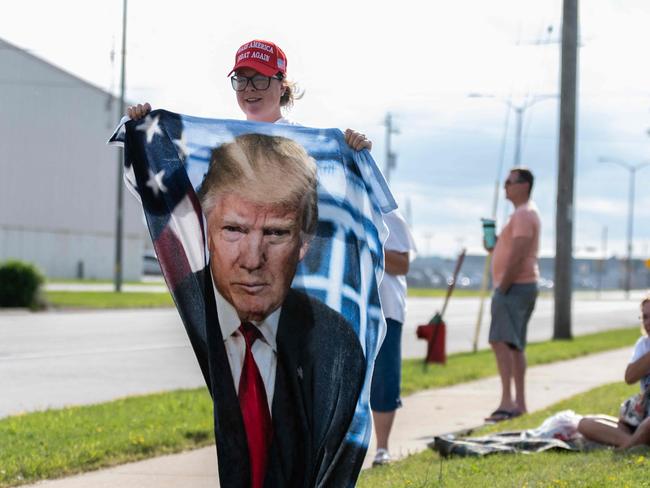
(257, 66)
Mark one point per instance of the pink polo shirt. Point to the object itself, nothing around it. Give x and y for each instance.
(524, 222)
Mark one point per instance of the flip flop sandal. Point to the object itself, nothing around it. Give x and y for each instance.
(500, 415)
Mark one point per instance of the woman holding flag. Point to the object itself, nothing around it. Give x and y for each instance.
(264, 94)
(263, 91)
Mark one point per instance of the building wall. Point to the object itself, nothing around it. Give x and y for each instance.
(72, 254)
(58, 178)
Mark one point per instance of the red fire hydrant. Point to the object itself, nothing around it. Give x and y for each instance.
(434, 333)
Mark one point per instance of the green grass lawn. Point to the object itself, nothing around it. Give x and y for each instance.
(565, 469)
(468, 366)
(56, 443)
(107, 299)
(442, 292)
(72, 281)
(110, 299)
(460, 293)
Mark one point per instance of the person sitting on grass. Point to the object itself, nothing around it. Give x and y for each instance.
(632, 428)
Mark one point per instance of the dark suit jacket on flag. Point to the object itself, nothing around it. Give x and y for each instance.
(320, 410)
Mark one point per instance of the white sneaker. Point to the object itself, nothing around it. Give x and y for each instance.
(381, 458)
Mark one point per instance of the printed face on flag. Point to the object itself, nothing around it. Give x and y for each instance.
(254, 251)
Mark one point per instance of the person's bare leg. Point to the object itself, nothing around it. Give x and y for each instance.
(383, 425)
(640, 436)
(519, 375)
(604, 429)
(503, 355)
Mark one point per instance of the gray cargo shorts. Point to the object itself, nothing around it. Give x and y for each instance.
(511, 313)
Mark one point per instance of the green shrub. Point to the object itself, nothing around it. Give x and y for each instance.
(19, 284)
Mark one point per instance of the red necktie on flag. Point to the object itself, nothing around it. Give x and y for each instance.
(254, 408)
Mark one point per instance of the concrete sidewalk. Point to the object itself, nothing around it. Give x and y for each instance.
(424, 415)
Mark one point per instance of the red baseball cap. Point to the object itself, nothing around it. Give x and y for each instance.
(262, 56)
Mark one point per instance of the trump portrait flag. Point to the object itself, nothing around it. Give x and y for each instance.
(270, 238)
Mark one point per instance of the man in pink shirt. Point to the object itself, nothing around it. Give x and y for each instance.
(515, 273)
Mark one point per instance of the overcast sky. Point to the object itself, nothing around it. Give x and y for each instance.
(420, 61)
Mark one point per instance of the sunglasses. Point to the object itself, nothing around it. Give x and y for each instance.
(510, 182)
(259, 82)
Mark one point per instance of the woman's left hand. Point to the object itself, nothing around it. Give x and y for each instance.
(357, 141)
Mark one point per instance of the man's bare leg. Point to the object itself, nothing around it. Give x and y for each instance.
(503, 355)
(519, 375)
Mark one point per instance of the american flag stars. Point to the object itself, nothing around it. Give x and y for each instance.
(181, 144)
(150, 127)
(155, 182)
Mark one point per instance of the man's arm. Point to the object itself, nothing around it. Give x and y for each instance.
(520, 247)
(397, 263)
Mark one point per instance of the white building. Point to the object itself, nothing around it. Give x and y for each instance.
(57, 175)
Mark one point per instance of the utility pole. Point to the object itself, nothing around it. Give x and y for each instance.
(119, 224)
(566, 169)
(630, 215)
(391, 157)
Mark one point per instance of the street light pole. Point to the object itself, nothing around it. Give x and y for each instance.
(630, 214)
(119, 223)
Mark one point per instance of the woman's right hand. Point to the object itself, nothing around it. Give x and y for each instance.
(357, 140)
(136, 112)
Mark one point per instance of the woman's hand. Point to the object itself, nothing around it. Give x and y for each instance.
(136, 112)
(357, 141)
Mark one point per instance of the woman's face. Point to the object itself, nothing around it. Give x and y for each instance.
(260, 105)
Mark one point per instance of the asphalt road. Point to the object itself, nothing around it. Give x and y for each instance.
(66, 358)
(57, 359)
